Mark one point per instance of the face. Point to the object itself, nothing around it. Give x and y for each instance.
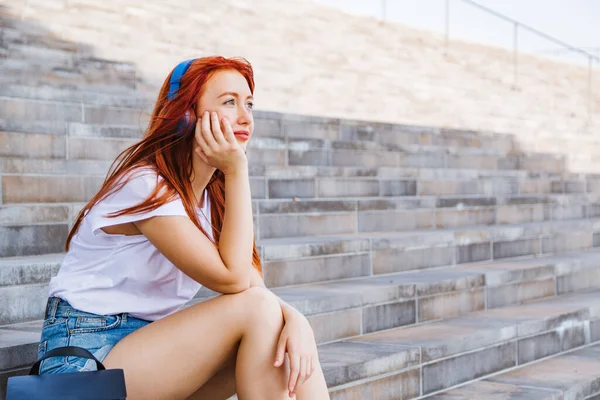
(228, 93)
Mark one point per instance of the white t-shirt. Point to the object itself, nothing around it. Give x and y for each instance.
(112, 273)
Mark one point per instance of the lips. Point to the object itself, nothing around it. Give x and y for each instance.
(244, 135)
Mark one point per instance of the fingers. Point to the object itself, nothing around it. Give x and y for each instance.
(294, 372)
(202, 147)
(216, 129)
(280, 351)
(229, 136)
(207, 134)
(303, 371)
(308, 371)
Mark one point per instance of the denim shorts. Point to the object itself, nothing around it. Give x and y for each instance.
(67, 326)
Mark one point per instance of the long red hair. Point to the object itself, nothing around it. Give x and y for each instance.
(170, 154)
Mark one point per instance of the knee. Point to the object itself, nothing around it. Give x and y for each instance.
(262, 306)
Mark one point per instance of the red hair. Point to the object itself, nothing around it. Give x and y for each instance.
(171, 154)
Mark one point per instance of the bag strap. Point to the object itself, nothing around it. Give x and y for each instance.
(68, 351)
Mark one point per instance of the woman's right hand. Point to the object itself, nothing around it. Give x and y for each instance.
(217, 149)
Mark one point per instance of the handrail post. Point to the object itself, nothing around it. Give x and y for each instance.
(515, 55)
(447, 26)
(590, 88)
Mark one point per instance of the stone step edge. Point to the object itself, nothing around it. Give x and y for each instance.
(433, 395)
(416, 233)
(86, 98)
(404, 346)
(416, 179)
(430, 197)
(551, 199)
(544, 259)
(559, 267)
(517, 368)
(481, 269)
(406, 235)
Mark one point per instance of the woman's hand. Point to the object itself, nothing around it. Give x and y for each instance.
(217, 149)
(298, 339)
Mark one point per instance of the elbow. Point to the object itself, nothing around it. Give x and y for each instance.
(236, 285)
(237, 288)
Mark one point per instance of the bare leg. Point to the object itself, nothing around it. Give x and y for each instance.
(222, 385)
(173, 357)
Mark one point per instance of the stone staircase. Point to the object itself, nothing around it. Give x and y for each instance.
(431, 263)
(329, 63)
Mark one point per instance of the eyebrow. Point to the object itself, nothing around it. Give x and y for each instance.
(234, 95)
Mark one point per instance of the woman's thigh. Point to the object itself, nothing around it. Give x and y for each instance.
(174, 356)
(220, 386)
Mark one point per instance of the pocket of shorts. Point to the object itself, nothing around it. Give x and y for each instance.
(95, 324)
(55, 321)
(42, 349)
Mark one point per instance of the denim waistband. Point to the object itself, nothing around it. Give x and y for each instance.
(57, 307)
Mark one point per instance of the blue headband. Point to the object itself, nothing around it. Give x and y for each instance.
(176, 77)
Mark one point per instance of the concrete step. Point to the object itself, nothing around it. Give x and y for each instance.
(367, 301)
(415, 360)
(301, 134)
(407, 134)
(41, 160)
(411, 362)
(289, 261)
(323, 128)
(446, 211)
(311, 218)
(94, 73)
(572, 375)
(338, 220)
(343, 308)
(396, 214)
(281, 150)
(114, 97)
(278, 219)
(28, 63)
(14, 110)
(18, 32)
(28, 150)
(39, 53)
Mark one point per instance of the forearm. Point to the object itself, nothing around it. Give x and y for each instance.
(237, 234)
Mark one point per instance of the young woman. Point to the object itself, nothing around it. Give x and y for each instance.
(175, 214)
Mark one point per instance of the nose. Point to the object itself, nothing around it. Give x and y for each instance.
(244, 115)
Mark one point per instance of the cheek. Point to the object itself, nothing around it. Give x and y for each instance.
(227, 112)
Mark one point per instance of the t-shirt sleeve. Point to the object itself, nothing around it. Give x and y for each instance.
(137, 189)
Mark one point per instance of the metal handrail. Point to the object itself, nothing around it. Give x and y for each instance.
(517, 25)
(531, 29)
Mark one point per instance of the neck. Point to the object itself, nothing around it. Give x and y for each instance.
(202, 174)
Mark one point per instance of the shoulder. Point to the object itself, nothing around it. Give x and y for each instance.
(139, 181)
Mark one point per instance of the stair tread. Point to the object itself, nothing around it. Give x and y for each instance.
(380, 353)
(452, 337)
(335, 295)
(442, 234)
(445, 232)
(571, 375)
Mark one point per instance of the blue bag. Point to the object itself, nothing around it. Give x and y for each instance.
(102, 384)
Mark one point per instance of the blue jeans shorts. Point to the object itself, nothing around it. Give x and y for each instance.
(67, 326)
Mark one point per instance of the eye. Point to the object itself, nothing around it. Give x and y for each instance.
(251, 105)
(229, 101)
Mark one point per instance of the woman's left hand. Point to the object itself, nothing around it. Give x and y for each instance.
(298, 339)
